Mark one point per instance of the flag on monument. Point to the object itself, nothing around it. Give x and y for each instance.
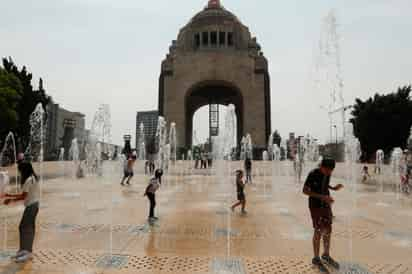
(214, 3)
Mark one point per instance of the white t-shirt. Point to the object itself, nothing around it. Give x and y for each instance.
(154, 185)
(32, 188)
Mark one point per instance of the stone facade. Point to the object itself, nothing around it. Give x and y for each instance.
(62, 127)
(216, 60)
(149, 120)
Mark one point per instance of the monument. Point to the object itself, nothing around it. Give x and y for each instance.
(216, 61)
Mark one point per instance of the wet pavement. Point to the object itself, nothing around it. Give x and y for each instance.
(94, 225)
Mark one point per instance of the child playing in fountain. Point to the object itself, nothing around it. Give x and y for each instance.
(240, 187)
(151, 167)
(30, 195)
(150, 193)
(128, 171)
(317, 188)
(80, 170)
(365, 174)
(248, 169)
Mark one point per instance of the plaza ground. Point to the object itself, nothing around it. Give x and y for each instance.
(94, 225)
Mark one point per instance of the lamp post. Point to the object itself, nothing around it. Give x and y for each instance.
(127, 147)
(336, 141)
(330, 120)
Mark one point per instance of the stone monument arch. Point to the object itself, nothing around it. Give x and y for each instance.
(215, 60)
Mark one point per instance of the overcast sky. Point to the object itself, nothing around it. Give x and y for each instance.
(99, 51)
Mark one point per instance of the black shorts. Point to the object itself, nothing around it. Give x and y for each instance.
(321, 218)
(128, 173)
(241, 196)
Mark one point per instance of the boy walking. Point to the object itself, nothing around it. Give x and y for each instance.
(248, 169)
(317, 188)
(240, 187)
(128, 169)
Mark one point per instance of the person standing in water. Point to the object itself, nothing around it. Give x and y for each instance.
(128, 169)
(150, 192)
(151, 167)
(248, 169)
(30, 195)
(240, 188)
(317, 187)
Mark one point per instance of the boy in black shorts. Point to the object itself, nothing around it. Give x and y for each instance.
(240, 186)
(248, 169)
(317, 188)
(128, 169)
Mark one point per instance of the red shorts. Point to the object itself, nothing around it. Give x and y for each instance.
(321, 218)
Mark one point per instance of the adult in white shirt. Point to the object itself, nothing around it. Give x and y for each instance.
(30, 195)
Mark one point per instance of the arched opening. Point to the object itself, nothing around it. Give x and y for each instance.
(203, 95)
(208, 121)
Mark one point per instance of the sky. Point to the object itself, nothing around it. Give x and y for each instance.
(90, 52)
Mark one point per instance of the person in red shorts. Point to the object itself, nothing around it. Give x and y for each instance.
(317, 187)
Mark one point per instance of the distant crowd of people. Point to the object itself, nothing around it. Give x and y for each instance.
(203, 160)
(404, 169)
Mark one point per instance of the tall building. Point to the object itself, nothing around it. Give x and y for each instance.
(62, 127)
(149, 120)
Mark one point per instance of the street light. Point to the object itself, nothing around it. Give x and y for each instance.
(330, 120)
(336, 141)
(127, 147)
(342, 110)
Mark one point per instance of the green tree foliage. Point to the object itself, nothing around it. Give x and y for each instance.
(10, 91)
(29, 98)
(383, 121)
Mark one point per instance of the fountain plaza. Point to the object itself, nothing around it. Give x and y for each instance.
(94, 225)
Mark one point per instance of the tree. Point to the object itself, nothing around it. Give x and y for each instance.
(383, 121)
(10, 91)
(28, 100)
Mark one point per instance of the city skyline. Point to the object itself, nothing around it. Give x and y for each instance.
(93, 52)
